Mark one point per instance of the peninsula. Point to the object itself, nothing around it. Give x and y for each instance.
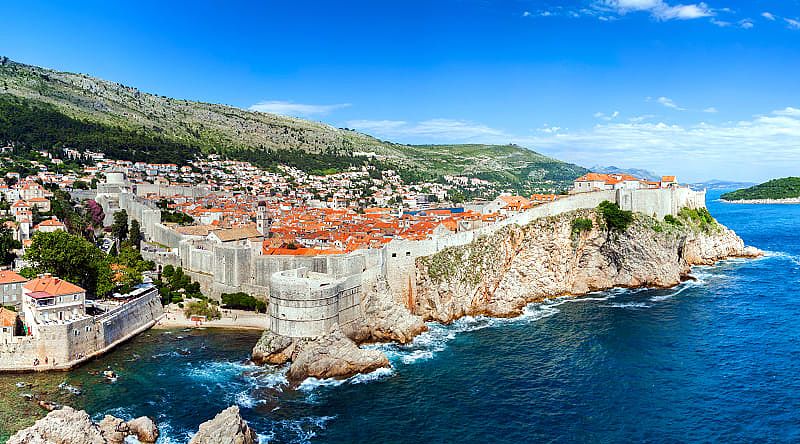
(776, 191)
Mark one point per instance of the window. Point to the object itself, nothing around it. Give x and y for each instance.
(408, 253)
(394, 254)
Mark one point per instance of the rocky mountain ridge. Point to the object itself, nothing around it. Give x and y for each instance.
(110, 110)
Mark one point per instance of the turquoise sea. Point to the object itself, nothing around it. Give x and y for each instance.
(713, 360)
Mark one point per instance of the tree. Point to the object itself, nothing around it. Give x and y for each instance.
(95, 213)
(135, 233)
(69, 257)
(120, 226)
(7, 243)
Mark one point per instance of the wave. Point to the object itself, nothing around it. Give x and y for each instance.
(628, 305)
(793, 258)
(300, 430)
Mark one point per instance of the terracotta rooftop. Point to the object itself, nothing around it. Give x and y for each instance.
(9, 277)
(53, 286)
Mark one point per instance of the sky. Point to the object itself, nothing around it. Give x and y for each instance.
(704, 90)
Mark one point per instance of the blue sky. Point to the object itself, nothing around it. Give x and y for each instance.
(699, 89)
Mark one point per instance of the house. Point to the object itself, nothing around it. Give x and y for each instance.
(19, 207)
(506, 204)
(235, 234)
(50, 225)
(49, 299)
(669, 182)
(602, 182)
(11, 288)
(40, 203)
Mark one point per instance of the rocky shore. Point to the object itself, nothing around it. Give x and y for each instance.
(70, 426)
(498, 275)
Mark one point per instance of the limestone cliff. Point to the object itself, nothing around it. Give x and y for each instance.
(499, 274)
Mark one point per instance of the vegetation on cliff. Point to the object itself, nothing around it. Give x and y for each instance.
(615, 218)
(785, 188)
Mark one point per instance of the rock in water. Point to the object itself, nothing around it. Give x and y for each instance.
(114, 430)
(333, 356)
(64, 426)
(227, 427)
(144, 428)
(272, 349)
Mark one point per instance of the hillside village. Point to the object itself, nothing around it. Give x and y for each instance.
(194, 217)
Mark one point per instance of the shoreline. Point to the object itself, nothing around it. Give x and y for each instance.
(231, 320)
(787, 201)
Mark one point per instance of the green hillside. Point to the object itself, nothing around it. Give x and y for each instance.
(43, 108)
(786, 188)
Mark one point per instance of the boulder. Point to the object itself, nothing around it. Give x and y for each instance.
(227, 427)
(272, 348)
(114, 430)
(63, 426)
(144, 429)
(333, 356)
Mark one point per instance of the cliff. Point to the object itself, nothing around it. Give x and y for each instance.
(570, 254)
(70, 426)
(499, 274)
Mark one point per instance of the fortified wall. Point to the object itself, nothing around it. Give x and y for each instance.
(307, 294)
(67, 344)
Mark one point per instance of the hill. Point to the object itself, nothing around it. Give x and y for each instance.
(716, 184)
(786, 188)
(43, 108)
(635, 172)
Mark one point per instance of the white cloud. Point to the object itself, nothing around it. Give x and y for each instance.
(711, 110)
(751, 149)
(606, 117)
(757, 148)
(295, 109)
(721, 23)
(788, 111)
(768, 16)
(659, 9)
(746, 24)
(526, 14)
(669, 103)
(441, 129)
(792, 23)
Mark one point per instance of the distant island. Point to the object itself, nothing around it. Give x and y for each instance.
(785, 190)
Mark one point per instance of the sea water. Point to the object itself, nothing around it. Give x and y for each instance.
(714, 359)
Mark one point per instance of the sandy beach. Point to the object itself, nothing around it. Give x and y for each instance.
(234, 319)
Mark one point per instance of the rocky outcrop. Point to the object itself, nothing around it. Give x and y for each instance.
(144, 429)
(333, 356)
(63, 426)
(272, 348)
(227, 427)
(386, 320)
(70, 426)
(499, 274)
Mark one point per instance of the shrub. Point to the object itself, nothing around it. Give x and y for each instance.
(243, 301)
(202, 308)
(581, 224)
(615, 218)
(699, 217)
(670, 219)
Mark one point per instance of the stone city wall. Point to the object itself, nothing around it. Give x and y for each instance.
(66, 345)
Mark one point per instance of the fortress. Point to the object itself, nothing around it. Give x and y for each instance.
(309, 295)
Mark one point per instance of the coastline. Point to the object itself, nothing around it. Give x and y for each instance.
(787, 201)
(231, 319)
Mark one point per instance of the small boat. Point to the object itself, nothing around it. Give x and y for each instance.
(23, 385)
(72, 389)
(110, 375)
(27, 396)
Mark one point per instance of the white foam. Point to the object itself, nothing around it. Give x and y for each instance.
(362, 378)
(628, 305)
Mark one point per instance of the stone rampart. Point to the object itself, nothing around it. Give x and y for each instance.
(62, 346)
